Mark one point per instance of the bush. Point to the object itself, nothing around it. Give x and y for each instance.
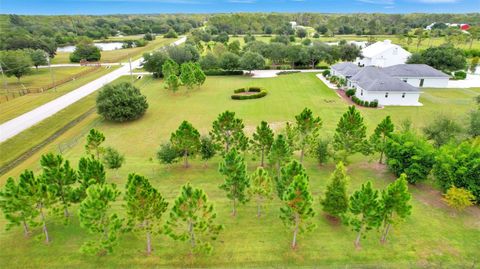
(258, 93)
(323, 67)
(459, 75)
(326, 73)
(85, 51)
(171, 34)
(140, 43)
(360, 102)
(220, 72)
(283, 67)
(350, 92)
(288, 72)
(168, 154)
(121, 102)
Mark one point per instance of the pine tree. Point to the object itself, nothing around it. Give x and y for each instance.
(261, 187)
(236, 180)
(193, 210)
(60, 178)
(169, 68)
(37, 189)
(187, 74)
(186, 140)
(95, 217)
(113, 159)
(365, 211)
(227, 131)
(379, 138)
(90, 171)
(287, 174)
(199, 75)
(145, 207)
(394, 204)
(172, 83)
(280, 153)
(350, 134)
(18, 208)
(262, 140)
(335, 202)
(94, 139)
(307, 127)
(298, 207)
(207, 148)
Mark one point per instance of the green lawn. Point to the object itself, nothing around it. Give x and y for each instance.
(431, 237)
(25, 103)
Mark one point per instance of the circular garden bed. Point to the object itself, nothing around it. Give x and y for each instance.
(248, 93)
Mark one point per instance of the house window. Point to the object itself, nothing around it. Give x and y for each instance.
(403, 95)
(421, 82)
(386, 95)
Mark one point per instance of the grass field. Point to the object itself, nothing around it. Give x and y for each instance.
(25, 103)
(431, 237)
(121, 54)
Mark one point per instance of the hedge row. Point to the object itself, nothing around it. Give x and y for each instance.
(219, 72)
(288, 72)
(359, 102)
(257, 93)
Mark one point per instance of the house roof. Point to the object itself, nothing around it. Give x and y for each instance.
(347, 69)
(378, 48)
(414, 70)
(372, 78)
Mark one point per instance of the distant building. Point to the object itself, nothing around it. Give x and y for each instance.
(383, 54)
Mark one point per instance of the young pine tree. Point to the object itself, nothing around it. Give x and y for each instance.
(172, 83)
(199, 75)
(60, 178)
(145, 207)
(207, 148)
(90, 172)
(287, 174)
(379, 138)
(365, 211)
(298, 207)
(394, 204)
(236, 180)
(113, 159)
(95, 217)
(350, 134)
(261, 187)
(187, 74)
(192, 210)
(227, 131)
(186, 140)
(262, 140)
(18, 208)
(94, 140)
(307, 127)
(335, 202)
(280, 153)
(37, 189)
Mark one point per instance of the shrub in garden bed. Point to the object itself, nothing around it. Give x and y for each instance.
(249, 93)
(326, 73)
(350, 92)
(359, 102)
(288, 72)
(459, 75)
(219, 72)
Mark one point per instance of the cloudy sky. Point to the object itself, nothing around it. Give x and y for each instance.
(215, 6)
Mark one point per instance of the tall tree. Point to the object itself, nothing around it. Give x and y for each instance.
(39, 57)
(365, 211)
(442, 130)
(187, 74)
(145, 207)
(394, 204)
(307, 127)
(172, 83)
(335, 202)
(170, 67)
(113, 159)
(298, 207)
(287, 174)
(350, 134)
(192, 210)
(379, 138)
(60, 178)
(95, 216)
(280, 153)
(94, 140)
(207, 148)
(15, 63)
(227, 131)
(90, 171)
(18, 208)
(236, 180)
(37, 189)
(261, 187)
(186, 140)
(199, 75)
(262, 140)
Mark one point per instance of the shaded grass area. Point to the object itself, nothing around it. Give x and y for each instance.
(23, 104)
(432, 236)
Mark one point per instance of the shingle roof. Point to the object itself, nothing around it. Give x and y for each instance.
(414, 70)
(375, 79)
(378, 47)
(347, 69)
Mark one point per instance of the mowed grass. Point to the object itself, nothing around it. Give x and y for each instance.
(433, 236)
(120, 55)
(25, 103)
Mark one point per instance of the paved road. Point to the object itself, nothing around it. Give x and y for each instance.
(27, 120)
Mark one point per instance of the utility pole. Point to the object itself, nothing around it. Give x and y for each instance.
(51, 73)
(130, 64)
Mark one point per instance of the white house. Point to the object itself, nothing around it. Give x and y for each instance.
(383, 54)
(372, 83)
(418, 75)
